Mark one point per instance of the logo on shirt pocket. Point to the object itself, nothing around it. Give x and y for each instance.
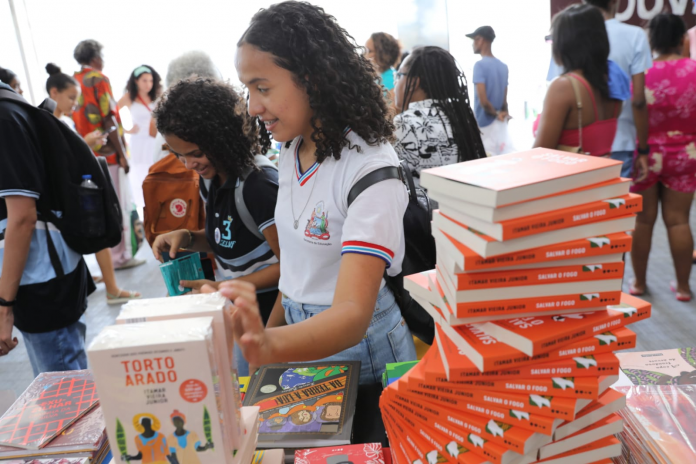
(318, 224)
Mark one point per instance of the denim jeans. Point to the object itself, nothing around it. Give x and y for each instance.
(626, 157)
(387, 340)
(58, 350)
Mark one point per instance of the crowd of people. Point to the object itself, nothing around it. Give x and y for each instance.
(337, 111)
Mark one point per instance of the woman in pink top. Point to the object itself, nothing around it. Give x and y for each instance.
(581, 45)
(670, 88)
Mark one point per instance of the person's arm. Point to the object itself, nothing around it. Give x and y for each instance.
(338, 328)
(267, 277)
(483, 100)
(125, 101)
(179, 239)
(640, 110)
(557, 105)
(21, 221)
(153, 127)
(503, 114)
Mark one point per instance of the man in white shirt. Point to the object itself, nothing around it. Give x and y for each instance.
(631, 51)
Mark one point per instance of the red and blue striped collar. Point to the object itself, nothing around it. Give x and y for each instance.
(303, 178)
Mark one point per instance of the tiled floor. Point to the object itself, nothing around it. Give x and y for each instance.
(673, 324)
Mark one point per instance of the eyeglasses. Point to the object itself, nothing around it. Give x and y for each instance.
(399, 75)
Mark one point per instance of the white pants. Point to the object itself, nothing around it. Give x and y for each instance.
(496, 138)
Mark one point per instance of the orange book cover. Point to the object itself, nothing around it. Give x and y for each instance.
(511, 305)
(603, 428)
(425, 452)
(481, 433)
(569, 387)
(591, 248)
(534, 335)
(551, 220)
(505, 179)
(486, 353)
(529, 297)
(429, 437)
(568, 361)
(609, 402)
(537, 276)
(454, 443)
(528, 421)
(493, 452)
(504, 434)
(597, 451)
(562, 408)
(487, 246)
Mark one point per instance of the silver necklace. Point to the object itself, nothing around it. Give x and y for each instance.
(296, 220)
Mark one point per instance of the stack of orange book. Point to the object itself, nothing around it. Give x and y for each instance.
(527, 301)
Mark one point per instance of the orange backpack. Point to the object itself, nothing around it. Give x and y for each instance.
(172, 199)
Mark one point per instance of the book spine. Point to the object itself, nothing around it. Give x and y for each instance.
(586, 248)
(477, 444)
(545, 303)
(563, 408)
(504, 434)
(540, 276)
(428, 450)
(562, 387)
(523, 420)
(571, 217)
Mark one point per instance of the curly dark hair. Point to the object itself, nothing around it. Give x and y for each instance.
(435, 70)
(326, 62)
(86, 51)
(132, 85)
(211, 114)
(387, 50)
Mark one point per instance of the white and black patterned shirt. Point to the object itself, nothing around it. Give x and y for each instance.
(424, 138)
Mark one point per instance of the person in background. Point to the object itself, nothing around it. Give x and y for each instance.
(143, 88)
(11, 79)
(335, 303)
(581, 45)
(97, 110)
(384, 51)
(47, 309)
(671, 178)
(205, 124)
(490, 98)
(630, 50)
(191, 64)
(65, 91)
(431, 93)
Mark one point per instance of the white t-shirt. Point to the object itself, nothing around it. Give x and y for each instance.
(327, 228)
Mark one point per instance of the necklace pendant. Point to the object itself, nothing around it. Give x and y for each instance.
(296, 224)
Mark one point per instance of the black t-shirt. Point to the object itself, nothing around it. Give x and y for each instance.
(238, 250)
(44, 302)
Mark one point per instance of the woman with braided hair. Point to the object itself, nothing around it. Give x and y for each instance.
(436, 125)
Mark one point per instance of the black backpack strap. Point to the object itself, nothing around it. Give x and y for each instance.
(376, 176)
(53, 254)
(261, 161)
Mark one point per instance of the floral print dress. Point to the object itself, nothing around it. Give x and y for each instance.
(670, 89)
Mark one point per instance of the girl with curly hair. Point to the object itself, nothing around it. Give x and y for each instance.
(205, 124)
(143, 88)
(312, 90)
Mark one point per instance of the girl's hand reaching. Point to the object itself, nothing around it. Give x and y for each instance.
(245, 321)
